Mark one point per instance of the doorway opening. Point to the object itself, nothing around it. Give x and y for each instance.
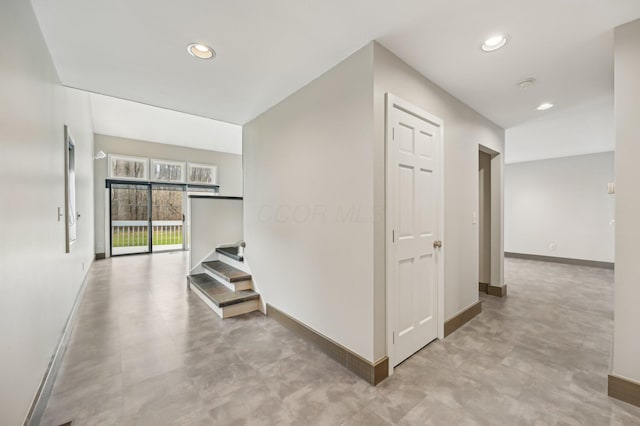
(146, 217)
(488, 219)
(484, 219)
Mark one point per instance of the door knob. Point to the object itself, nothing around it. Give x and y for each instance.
(437, 244)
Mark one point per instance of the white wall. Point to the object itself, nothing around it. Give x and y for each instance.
(314, 197)
(39, 281)
(585, 129)
(229, 171)
(626, 344)
(464, 131)
(309, 202)
(561, 201)
(213, 221)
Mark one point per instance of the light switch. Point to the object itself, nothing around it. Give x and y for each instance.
(474, 218)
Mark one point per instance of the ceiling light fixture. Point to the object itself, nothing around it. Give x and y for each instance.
(544, 106)
(526, 83)
(494, 42)
(201, 51)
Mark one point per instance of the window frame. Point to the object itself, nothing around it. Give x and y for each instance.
(144, 160)
(213, 167)
(154, 161)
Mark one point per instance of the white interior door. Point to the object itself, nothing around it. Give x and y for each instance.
(413, 196)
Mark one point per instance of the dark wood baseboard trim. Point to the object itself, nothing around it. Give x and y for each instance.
(624, 390)
(493, 290)
(100, 256)
(565, 260)
(496, 290)
(373, 373)
(462, 318)
(39, 403)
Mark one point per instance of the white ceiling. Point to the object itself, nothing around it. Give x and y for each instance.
(585, 129)
(136, 49)
(132, 120)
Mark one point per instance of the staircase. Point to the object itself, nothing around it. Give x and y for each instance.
(225, 288)
(232, 252)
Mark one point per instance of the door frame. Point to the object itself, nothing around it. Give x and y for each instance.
(184, 214)
(391, 102)
(497, 215)
(109, 218)
(149, 186)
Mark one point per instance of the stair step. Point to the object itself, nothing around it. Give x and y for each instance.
(219, 294)
(226, 272)
(231, 252)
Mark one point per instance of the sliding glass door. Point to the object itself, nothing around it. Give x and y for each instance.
(130, 207)
(146, 217)
(168, 215)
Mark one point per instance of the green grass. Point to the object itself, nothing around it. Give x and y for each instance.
(141, 238)
(166, 238)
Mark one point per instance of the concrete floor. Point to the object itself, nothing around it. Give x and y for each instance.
(145, 351)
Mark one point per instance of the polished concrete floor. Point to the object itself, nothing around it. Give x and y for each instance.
(145, 351)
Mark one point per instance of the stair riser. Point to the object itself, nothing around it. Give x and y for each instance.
(235, 286)
(228, 311)
(221, 276)
(237, 257)
(240, 308)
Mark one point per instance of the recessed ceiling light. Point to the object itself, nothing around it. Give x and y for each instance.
(495, 42)
(201, 51)
(526, 83)
(544, 106)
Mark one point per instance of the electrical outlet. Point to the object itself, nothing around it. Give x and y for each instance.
(552, 246)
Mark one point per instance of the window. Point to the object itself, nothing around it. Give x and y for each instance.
(153, 170)
(129, 168)
(202, 174)
(167, 171)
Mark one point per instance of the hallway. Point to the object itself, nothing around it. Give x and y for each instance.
(145, 351)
